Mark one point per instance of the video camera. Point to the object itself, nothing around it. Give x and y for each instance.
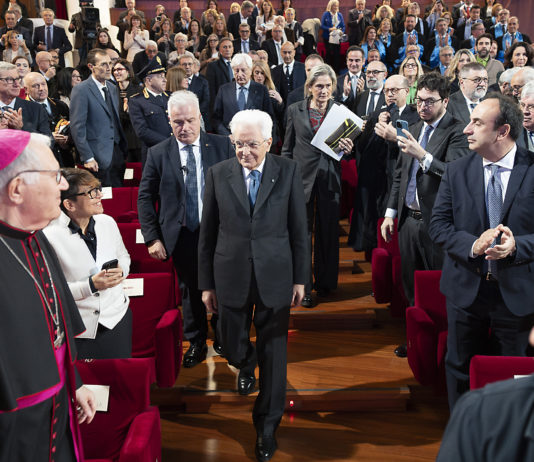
(90, 19)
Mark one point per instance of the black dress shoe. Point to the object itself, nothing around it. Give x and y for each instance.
(217, 347)
(323, 292)
(245, 383)
(307, 301)
(401, 351)
(265, 448)
(196, 354)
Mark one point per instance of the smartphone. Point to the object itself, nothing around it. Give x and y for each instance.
(110, 264)
(401, 125)
(20, 37)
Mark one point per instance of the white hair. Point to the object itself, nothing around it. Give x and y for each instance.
(241, 58)
(152, 44)
(507, 75)
(253, 118)
(528, 90)
(182, 98)
(5, 66)
(27, 160)
(179, 35)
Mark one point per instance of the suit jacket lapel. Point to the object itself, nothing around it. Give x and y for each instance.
(305, 118)
(237, 183)
(205, 153)
(439, 134)
(175, 161)
(516, 178)
(477, 189)
(251, 97)
(268, 180)
(98, 95)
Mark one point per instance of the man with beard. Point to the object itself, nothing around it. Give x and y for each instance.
(493, 67)
(373, 98)
(473, 80)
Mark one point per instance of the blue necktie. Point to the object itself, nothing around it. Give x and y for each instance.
(245, 46)
(191, 191)
(412, 184)
(241, 100)
(254, 185)
(494, 207)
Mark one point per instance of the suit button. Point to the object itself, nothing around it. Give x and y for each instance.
(96, 312)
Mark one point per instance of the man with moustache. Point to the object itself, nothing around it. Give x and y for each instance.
(425, 150)
(473, 79)
(482, 220)
(373, 98)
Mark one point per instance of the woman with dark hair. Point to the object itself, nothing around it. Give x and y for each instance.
(220, 29)
(213, 9)
(520, 54)
(135, 37)
(284, 5)
(196, 38)
(23, 68)
(262, 74)
(103, 40)
(128, 86)
(210, 52)
(67, 78)
(370, 41)
(165, 38)
(265, 20)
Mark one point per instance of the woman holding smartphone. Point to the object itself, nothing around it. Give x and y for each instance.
(95, 262)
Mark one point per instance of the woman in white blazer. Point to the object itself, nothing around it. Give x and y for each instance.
(85, 239)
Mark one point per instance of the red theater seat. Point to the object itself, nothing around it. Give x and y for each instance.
(130, 430)
(120, 204)
(489, 369)
(386, 273)
(157, 326)
(426, 330)
(137, 168)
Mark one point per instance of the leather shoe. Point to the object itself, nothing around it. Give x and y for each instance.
(217, 347)
(401, 351)
(307, 301)
(265, 448)
(245, 383)
(196, 354)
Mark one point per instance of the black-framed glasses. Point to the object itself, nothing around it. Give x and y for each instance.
(93, 193)
(393, 91)
(478, 80)
(58, 174)
(427, 102)
(11, 80)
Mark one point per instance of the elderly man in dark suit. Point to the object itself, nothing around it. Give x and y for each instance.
(291, 74)
(373, 98)
(242, 94)
(473, 79)
(526, 137)
(482, 219)
(148, 109)
(50, 37)
(359, 20)
(143, 57)
(18, 113)
(95, 124)
(425, 150)
(244, 16)
(253, 261)
(220, 72)
(199, 85)
(170, 205)
(273, 46)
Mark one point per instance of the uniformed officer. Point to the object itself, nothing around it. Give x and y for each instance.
(148, 109)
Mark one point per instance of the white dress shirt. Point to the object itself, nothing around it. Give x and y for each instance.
(247, 177)
(200, 170)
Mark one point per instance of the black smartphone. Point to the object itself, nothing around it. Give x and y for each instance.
(110, 264)
(401, 125)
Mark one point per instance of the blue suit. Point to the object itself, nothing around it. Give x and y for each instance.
(473, 304)
(92, 127)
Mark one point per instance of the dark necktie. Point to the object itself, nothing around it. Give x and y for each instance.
(109, 103)
(289, 81)
(494, 207)
(46, 108)
(230, 73)
(472, 106)
(241, 100)
(372, 102)
(531, 141)
(245, 46)
(48, 37)
(191, 191)
(254, 185)
(412, 184)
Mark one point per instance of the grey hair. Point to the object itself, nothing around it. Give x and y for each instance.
(16, 8)
(471, 67)
(151, 43)
(507, 75)
(253, 118)
(446, 48)
(182, 98)
(241, 58)
(27, 160)
(47, 10)
(527, 74)
(6, 67)
(528, 90)
(179, 35)
(315, 73)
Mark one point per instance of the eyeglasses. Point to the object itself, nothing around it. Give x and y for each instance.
(119, 69)
(93, 193)
(11, 80)
(375, 72)
(57, 173)
(393, 91)
(410, 66)
(517, 88)
(477, 80)
(252, 145)
(77, 77)
(104, 65)
(427, 102)
(526, 107)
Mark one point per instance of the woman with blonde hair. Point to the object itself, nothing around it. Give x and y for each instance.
(333, 26)
(262, 74)
(384, 12)
(210, 16)
(15, 47)
(385, 32)
(411, 69)
(235, 8)
(213, 9)
(460, 59)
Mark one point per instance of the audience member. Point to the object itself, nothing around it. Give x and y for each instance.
(264, 21)
(289, 75)
(411, 69)
(220, 71)
(353, 82)
(493, 67)
(519, 80)
(51, 37)
(520, 54)
(244, 43)
(446, 54)
(460, 59)
(142, 58)
(358, 21)
(526, 104)
(371, 99)
(11, 24)
(199, 85)
(14, 47)
(180, 44)
(135, 38)
(332, 27)
(243, 16)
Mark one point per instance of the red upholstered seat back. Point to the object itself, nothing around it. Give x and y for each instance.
(489, 369)
(429, 297)
(129, 381)
(147, 310)
(120, 203)
(137, 168)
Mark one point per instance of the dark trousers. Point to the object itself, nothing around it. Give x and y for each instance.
(185, 259)
(108, 343)
(29, 434)
(323, 221)
(113, 175)
(270, 353)
(332, 57)
(469, 335)
(417, 252)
